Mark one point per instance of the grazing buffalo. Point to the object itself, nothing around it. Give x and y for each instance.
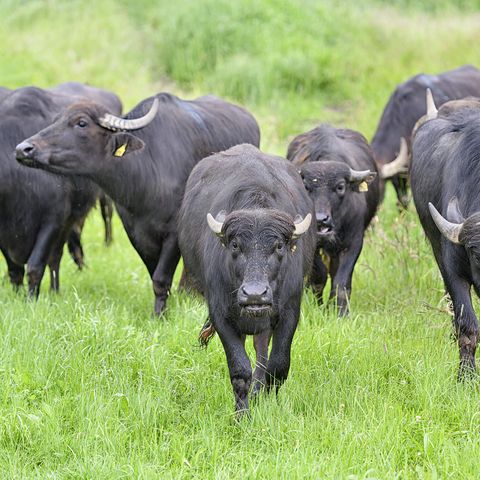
(407, 105)
(145, 173)
(245, 239)
(37, 209)
(444, 177)
(340, 176)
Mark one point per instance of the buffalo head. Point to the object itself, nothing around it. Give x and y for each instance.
(258, 241)
(332, 186)
(461, 231)
(82, 139)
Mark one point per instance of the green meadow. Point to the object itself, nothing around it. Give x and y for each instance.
(93, 386)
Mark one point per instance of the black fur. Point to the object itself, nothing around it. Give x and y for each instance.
(37, 209)
(260, 196)
(148, 181)
(446, 164)
(324, 157)
(407, 104)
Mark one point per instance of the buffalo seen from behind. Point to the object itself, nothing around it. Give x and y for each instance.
(444, 178)
(145, 173)
(38, 209)
(340, 176)
(247, 240)
(407, 104)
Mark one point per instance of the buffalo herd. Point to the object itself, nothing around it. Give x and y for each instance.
(188, 180)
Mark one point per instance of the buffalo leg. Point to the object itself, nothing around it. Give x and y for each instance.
(106, 208)
(15, 272)
(54, 265)
(318, 278)
(238, 363)
(163, 275)
(465, 322)
(279, 361)
(74, 243)
(38, 259)
(342, 271)
(260, 342)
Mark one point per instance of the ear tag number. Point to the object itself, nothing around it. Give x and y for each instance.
(119, 152)
(363, 187)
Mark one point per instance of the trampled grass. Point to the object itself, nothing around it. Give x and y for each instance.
(93, 386)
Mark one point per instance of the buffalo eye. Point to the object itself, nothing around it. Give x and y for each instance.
(234, 245)
(308, 188)
(340, 188)
(81, 123)
(280, 246)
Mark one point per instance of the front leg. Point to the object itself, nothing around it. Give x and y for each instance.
(237, 360)
(162, 276)
(342, 272)
(260, 342)
(318, 277)
(279, 361)
(465, 322)
(46, 238)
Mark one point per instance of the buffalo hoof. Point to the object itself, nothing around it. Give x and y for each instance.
(160, 305)
(257, 388)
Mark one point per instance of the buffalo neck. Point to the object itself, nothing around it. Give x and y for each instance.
(134, 183)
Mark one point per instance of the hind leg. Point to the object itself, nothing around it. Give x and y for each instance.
(106, 208)
(15, 272)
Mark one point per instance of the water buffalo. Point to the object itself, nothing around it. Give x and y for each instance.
(145, 173)
(340, 176)
(407, 104)
(37, 209)
(444, 178)
(245, 236)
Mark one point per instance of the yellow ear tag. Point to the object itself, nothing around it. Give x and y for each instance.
(363, 187)
(120, 150)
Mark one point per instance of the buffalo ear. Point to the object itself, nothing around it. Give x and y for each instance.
(124, 143)
(360, 184)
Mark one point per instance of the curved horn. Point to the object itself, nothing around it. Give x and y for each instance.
(360, 175)
(431, 108)
(302, 226)
(449, 230)
(399, 165)
(215, 225)
(453, 211)
(111, 122)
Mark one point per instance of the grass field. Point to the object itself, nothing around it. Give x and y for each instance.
(92, 386)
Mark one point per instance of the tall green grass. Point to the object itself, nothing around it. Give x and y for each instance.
(92, 386)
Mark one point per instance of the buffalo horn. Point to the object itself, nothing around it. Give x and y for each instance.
(111, 122)
(399, 165)
(431, 108)
(215, 225)
(453, 211)
(449, 230)
(302, 225)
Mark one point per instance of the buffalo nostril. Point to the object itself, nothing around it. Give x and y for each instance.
(323, 218)
(24, 150)
(254, 290)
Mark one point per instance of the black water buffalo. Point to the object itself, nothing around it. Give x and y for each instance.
(145, 173)
(340, 176)
(37, 209)
(444, 177)
(245, 239)
(407, 104)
